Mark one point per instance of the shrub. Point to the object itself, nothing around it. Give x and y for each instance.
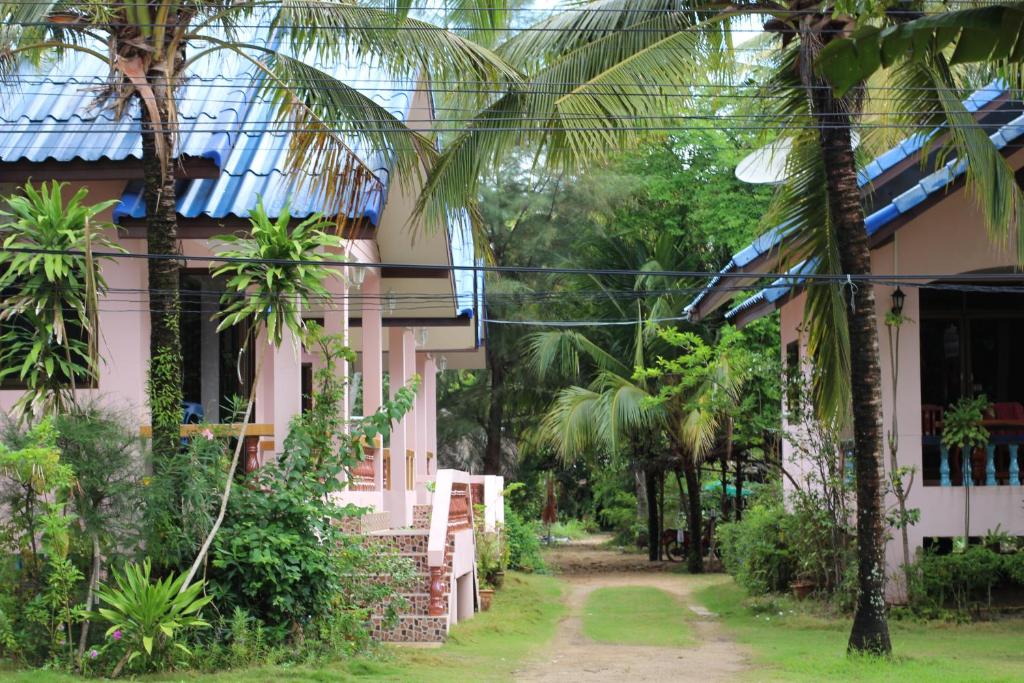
(962, 581)
(523, 541)
(756, 549)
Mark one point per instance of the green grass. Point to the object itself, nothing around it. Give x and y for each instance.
(488, 647)
(636, 615)
(573, 529)
(800, 645)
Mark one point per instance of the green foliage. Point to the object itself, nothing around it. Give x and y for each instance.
(149, 616)
(181, 500)
(38, 592)
(960, 581)
(282, 557)
(984, 34)
(290, 267)
(49, 303)
(103, 448)
(962, 423)
(757, 550)
(523, 540)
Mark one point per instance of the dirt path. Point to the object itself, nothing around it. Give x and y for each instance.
(574, 657)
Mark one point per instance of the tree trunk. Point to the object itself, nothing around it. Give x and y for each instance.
(164, 298)
(726, 457)
(653, 532)
(694, 518)
(870, 632)
(739, 486)
(495, 417)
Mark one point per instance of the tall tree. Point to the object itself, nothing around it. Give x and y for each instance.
(150, 49)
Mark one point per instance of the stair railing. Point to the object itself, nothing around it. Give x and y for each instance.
(450, 512)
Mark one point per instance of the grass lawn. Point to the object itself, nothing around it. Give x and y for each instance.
(798, 645)
(488, 647)
(636, 615)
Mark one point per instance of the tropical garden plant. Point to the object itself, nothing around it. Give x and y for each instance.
(963, 428)
(148, 615)
(50, 282)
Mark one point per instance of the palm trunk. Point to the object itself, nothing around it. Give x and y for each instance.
(870, 632)
(653, 532)
(694, 518)
(165, 303)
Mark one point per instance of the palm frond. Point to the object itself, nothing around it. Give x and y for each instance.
(576, 422)
(990, 179)
(560, 351)
(802, 203)
(408, 46)
(579, 106)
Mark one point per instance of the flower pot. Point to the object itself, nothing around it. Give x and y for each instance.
(486, 594)
(802, 588)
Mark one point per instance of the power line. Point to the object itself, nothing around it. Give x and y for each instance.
(549, 270)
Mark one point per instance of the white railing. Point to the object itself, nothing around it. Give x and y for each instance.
(451, 510)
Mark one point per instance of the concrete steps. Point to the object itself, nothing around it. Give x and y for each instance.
(415, 624)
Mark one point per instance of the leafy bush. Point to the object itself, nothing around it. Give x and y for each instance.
(757, 549)
(282, 557)
(523, 540)
(962, 581)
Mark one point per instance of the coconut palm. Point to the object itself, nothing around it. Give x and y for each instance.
(601, 76)
(150, 47)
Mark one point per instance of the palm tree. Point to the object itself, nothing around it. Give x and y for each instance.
(601, 76)
(151, 47)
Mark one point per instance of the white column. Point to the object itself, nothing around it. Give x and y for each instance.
(430, 394)
(372, 357)
(287, 386)
(421, 417)
(401, 365)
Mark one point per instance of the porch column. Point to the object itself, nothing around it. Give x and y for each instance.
(372, 358)
(287, 386)
(209, 359)
(430, 392)
(264, 362)
(336, 323)
(421, 416)
(401, 365)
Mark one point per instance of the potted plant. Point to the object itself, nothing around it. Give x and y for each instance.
(963, 427)
(803, 585)
(486, 595)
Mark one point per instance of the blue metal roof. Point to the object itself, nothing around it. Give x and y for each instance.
(46, 117)
(901, 204)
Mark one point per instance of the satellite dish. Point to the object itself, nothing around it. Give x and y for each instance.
(767, 166)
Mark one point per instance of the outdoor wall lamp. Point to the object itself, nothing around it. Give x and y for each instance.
(358, 275)
(442, 363)
(898, 297)
(421, 337)
(390, 301)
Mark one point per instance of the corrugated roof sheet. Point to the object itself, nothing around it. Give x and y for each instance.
(50, 113)
(904, 202)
